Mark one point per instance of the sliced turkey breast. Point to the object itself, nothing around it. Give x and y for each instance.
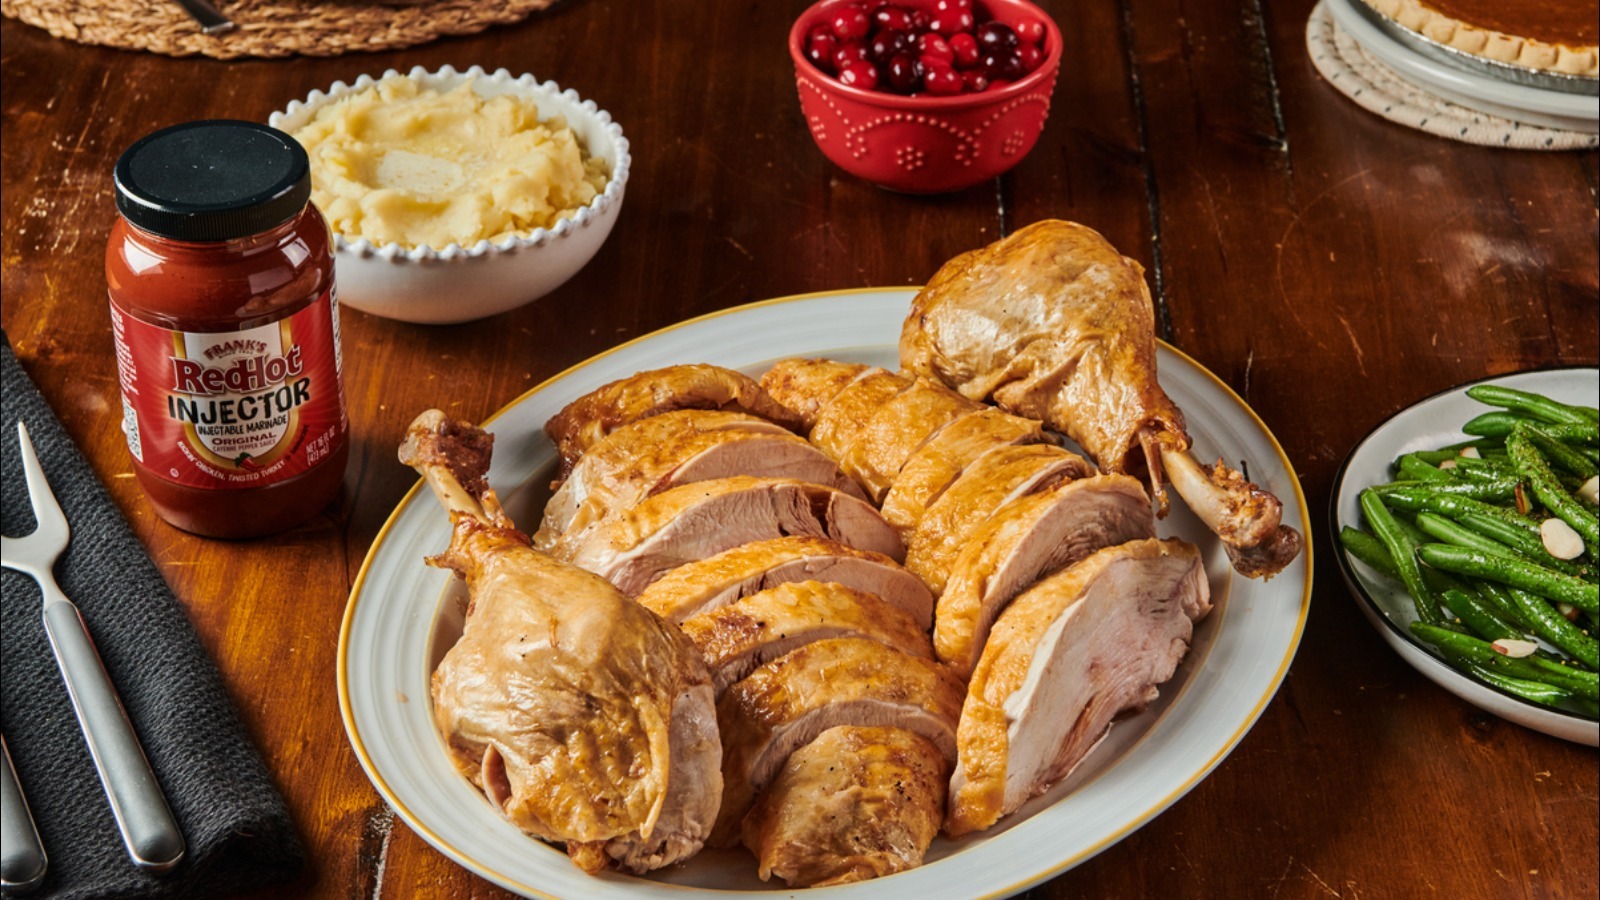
(993, 480)
(694, 521)
(842, 419)
(586, 420)
(938, 463)
(662, 452)
(807, 385)
(880, 446)
(1025, 540)
(855, 803)
(786, 703)
(736, 638)
(704, 585)
(1062, 661)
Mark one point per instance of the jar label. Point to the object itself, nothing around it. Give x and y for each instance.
(232, 409)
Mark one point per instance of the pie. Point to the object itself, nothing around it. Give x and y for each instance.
(1552, 35)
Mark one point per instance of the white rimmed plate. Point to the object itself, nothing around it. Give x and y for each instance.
(1518, 102)
(1240, 653)
(1427, 425)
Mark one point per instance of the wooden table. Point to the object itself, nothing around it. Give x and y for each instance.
(1330, 266)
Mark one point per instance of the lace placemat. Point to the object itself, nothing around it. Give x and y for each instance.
(267, 28)
(1352, 71)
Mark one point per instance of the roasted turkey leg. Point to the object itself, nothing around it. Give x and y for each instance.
(1054, 324)
(583, 717)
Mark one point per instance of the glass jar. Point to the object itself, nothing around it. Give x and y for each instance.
(226, 323)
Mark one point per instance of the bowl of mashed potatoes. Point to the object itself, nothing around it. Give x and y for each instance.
(454, 196)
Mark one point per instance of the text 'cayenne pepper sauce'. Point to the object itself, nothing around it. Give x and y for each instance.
(226, 325)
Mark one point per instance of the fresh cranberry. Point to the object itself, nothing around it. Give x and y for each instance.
(1030, 31)
(904, 73)
(932, 46)
(849, 52)
(1005, 66)
(980, 12)
(920, 19)
(859, 74)
(965, 48)
(850, 23)
(995, 37)
(821, 48)
(885, 44)
(960, 5)
(1031, 56)
(895, 18)
(997, 84)
(940, 79)
(950, 21)
(975, 80)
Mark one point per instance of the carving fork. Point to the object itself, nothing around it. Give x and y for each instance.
(148, 828)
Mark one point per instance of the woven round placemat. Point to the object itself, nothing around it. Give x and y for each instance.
(267, 28)
(1346, 65)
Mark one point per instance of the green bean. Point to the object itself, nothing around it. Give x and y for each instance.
(1428, 456)
(1511, 571)
(1402, 550)
(1485, 468)
(1442, 529)
(1553, 627)
(1532, 691)
(1416, 499)
(1414, 469)
(1535, 405)
(1526, 542)
(1369, 550)
(1496, 489)
(1492, 424)
(1550, 492)
(1499, 599)
(1560, 454)
(1482, 653)
(1478, 617)
(1498, 424)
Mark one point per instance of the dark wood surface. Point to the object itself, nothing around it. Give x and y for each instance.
(1330, 266)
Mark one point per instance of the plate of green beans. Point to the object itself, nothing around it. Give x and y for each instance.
(1470, 539)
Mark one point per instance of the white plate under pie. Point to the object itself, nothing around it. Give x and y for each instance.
(1520, 103)
(1240, 654)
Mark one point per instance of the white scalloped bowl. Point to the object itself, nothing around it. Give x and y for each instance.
(460, 284)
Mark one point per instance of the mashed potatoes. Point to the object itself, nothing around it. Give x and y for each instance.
(399, 162)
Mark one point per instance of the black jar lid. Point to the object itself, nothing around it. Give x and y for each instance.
(212, 180)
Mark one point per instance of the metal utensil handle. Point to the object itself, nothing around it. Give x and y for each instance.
(148, 828)
(211, 20)
(22, 859)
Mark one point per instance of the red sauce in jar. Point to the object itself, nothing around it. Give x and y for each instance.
(226, 323)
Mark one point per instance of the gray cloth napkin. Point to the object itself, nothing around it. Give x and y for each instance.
(237, 827)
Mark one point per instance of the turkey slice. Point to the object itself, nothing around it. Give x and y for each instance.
(1063, 660)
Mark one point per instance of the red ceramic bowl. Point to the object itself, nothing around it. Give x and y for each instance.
(923, 144)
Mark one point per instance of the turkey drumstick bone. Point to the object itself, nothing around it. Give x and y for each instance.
(1054, 324)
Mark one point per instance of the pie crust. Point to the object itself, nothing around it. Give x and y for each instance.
(1578, 58)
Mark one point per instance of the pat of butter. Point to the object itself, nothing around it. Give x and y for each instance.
(418, 173)
(401, 163)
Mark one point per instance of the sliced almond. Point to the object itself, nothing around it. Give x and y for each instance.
(1523, 506)
(1470, 453)
(1448, 464)
(1516, 649)
(1560, 539)
(1568, 611)
(1590, 492)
